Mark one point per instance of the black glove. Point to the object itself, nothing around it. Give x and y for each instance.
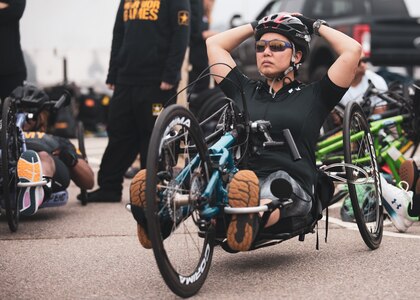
(309, 23)
(68, 154)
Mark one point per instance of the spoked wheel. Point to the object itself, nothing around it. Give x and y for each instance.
(10, 153)
(81, 144)
(363, 179)
(178, 168)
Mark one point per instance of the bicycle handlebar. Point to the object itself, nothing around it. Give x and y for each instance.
(52, 105)
(264, 126)
(64, 100)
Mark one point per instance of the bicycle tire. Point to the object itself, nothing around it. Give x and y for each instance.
(10, 153)
(183, 269)
(82, 148)
(365, 197)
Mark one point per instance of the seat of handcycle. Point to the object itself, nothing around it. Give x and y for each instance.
(293, 226)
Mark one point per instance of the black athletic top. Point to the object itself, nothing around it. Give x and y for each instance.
(298, 107)
(41, 141)
(150, 38)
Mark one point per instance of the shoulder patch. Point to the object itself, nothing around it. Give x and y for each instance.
(183, 17)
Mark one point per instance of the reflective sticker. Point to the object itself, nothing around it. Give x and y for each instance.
(156, 109)
(183, 17)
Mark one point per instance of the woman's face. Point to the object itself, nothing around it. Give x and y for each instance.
(272, 63)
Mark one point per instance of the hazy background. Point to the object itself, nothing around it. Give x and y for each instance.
(81, 31)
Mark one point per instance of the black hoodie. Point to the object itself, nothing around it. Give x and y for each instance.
(11, 57)
(149, 42)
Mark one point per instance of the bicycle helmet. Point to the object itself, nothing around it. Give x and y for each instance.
(287, 25)
(30, 97)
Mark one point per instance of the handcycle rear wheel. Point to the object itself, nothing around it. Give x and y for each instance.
(178, 167)
(365, 193)
(10, 153)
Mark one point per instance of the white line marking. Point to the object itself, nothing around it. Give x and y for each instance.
(353, 226)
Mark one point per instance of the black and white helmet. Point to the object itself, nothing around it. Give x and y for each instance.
(287, 25)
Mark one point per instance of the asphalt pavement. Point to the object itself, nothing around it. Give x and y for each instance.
(92, 252)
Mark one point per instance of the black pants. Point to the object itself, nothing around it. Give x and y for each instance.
(202, 84)
(9, 83)
(130, 123)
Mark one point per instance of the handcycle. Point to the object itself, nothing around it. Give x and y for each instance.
(17, 109)
(187, 181)
(394, 133)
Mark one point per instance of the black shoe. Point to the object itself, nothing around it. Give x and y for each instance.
(101, 196)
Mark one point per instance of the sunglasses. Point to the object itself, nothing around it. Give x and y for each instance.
(274, 45)
(363, 60)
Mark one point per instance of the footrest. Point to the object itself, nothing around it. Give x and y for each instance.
(30, 184)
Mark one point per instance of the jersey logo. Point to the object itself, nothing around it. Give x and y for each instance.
(141, 10)
(34, 134)
(294, 89)
(183, 18)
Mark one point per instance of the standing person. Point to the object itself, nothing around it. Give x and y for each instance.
(198, 51)
(12, 64)
(150, 38)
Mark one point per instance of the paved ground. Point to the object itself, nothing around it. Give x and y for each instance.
(91, 252)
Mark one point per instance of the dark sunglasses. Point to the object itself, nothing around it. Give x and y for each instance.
(274, 45)
(363, 60)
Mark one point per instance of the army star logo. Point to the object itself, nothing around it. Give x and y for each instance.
(183, 17)
(156, 109)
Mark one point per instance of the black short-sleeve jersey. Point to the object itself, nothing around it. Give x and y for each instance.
(300, 108)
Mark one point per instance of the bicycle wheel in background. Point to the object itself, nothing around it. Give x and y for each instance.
(182, 242)
(80, 133)
(365, 193)
(10, 153)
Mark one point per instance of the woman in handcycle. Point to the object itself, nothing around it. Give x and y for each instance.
(282, 44)
(49, 158)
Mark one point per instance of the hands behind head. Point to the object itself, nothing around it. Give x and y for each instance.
(308, 22)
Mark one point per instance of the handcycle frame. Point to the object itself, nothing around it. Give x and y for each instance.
(13, 144)
(195, 190)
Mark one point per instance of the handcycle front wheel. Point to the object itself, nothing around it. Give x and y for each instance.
(10, 153)
(365, 193)
(178, 170)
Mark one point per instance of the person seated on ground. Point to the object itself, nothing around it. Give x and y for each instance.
(282, 44)
(51, 158)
